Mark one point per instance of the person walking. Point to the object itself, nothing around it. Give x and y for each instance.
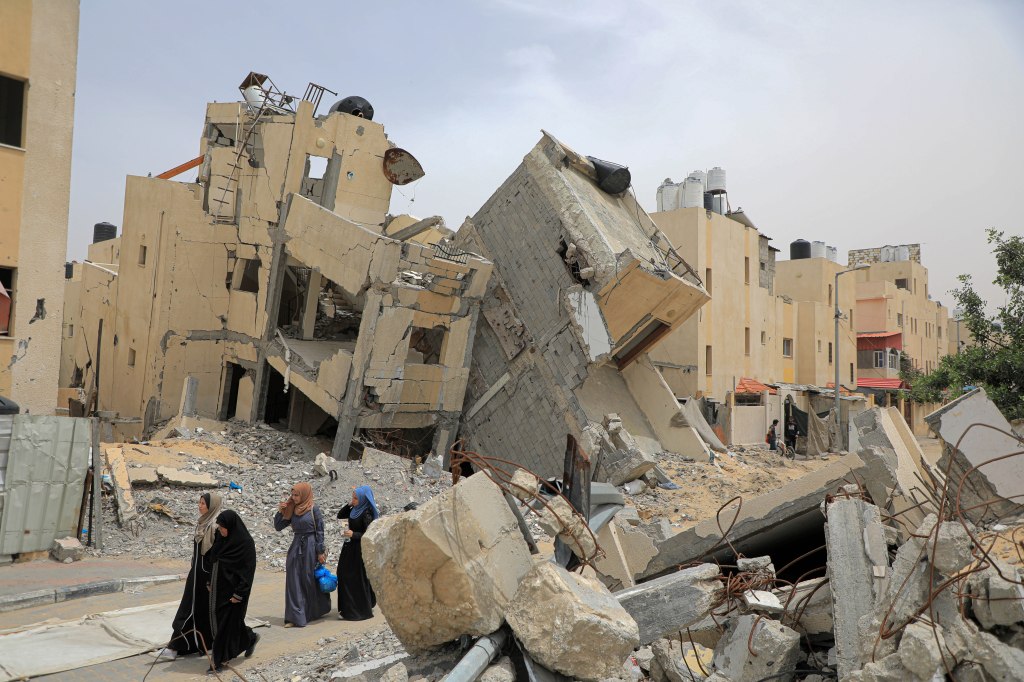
(791, 434)
(773, 436)
(355, 594)
(303, 600)
(190, 629)
(231, 578)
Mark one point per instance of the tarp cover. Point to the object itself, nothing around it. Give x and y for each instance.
(49, 648)
(819, 434)
(695, 419)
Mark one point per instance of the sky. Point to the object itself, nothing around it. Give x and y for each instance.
(858, 124)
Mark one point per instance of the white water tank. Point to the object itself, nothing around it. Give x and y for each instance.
(818, 250)
(833, 254)
(693, 193)
(888, 254)
(716, 180)
(702, 176)
(902, 253)
(668, 196)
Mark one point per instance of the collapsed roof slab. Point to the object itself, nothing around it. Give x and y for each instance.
(775, 519)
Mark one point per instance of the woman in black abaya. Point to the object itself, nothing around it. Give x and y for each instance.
(190, 631)
(355, 594)
(234, 568)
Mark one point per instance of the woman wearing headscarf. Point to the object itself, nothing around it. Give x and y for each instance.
(190, 630)
(231, 577)
(303, 600)
(355, 594)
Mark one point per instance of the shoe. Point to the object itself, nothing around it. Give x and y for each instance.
(341, 617)
(214, 671)
(166, 654)
(252, 646)
(289, 625)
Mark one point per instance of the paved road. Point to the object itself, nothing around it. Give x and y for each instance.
(267, 604)
(44, 573)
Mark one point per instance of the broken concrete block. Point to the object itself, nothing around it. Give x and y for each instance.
(969, 671)
(882, 670)
(856, 546)
(627, 551)
(1002, 663)
(143, 476)
(909, 582)
(433, 466)
(996, 600)
(776, 646)
(448, 568)
(186, 479)
(644, 657)
(1002, 480)
(501, 671)
(397, 673)
(761, 601)
(758, 564)
(950, 551)
(921, 648)
(667, 605)
(583, 631)
(67, 549)
(812, 602)
(324, 465)
(795, 505)
(682, 662)
(628, 515)
(627, 466)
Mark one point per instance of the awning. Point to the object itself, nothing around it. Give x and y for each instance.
(880, 340)
(746, 385)
(872, 382)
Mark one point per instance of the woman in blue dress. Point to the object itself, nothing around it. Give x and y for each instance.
(303, 600)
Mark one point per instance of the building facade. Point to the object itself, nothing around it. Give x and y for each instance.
(38, 62)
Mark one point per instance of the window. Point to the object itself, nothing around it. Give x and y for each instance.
(71, 331)
(764, 338)
(131, 357)
(830, 352)
(894, 359)
(819, 345)
(939, 329)
(902, 284)
(707, 360)
(425, 346)
(142, 255)
(12, 111)
(787, 348)
(899, 319)
(746, 270)
(879, 359)
(746, 340)
(6, 301)
(707, 280)
(852, 379)
(764, 266)
(830, 294)
(851, 319)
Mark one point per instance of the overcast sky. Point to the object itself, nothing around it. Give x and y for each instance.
(856, 123)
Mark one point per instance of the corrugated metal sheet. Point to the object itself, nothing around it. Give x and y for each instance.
(46, 471)
(6, 423)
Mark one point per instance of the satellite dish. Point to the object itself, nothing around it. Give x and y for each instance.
(401, 167)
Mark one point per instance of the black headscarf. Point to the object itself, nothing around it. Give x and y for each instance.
(237, 550)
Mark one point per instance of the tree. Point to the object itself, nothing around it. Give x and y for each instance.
(996, 360)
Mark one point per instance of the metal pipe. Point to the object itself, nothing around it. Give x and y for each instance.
(479, 656)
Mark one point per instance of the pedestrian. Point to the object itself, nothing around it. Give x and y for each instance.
(791, 433)
(773, 436)
(190, 630)
(355, 594)
(234, 569)
(303, 600)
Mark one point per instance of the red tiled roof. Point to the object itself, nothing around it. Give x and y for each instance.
(746, 385)
(871, 382)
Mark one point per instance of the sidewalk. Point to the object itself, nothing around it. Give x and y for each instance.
(36, 583)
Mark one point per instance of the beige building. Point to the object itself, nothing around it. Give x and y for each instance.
(896, 316)
(38, 59)
(267, 290)
(745, 330)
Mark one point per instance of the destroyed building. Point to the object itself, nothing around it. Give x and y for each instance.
(585, 284)
(270, 289)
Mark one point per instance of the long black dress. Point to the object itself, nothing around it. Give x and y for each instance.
(191, 632)
(234, 568)
(355, 594)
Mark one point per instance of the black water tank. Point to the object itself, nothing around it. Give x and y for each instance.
(69, 270)
(801, 248)
(102, 232)
(355, 105)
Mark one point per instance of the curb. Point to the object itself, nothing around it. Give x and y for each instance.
(26, 600)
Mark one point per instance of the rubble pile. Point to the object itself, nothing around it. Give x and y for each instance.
(252, 484)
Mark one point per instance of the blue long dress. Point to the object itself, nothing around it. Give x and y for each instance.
(303, 600)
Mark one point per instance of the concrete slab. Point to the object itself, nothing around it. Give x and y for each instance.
(666, 605)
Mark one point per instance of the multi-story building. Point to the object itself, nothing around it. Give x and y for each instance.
(896, 316)
(38, 60)
(275, 287)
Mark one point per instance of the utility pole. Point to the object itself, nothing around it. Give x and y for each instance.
(838, 316)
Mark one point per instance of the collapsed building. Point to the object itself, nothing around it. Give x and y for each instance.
(584, 285)
(277, 288)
